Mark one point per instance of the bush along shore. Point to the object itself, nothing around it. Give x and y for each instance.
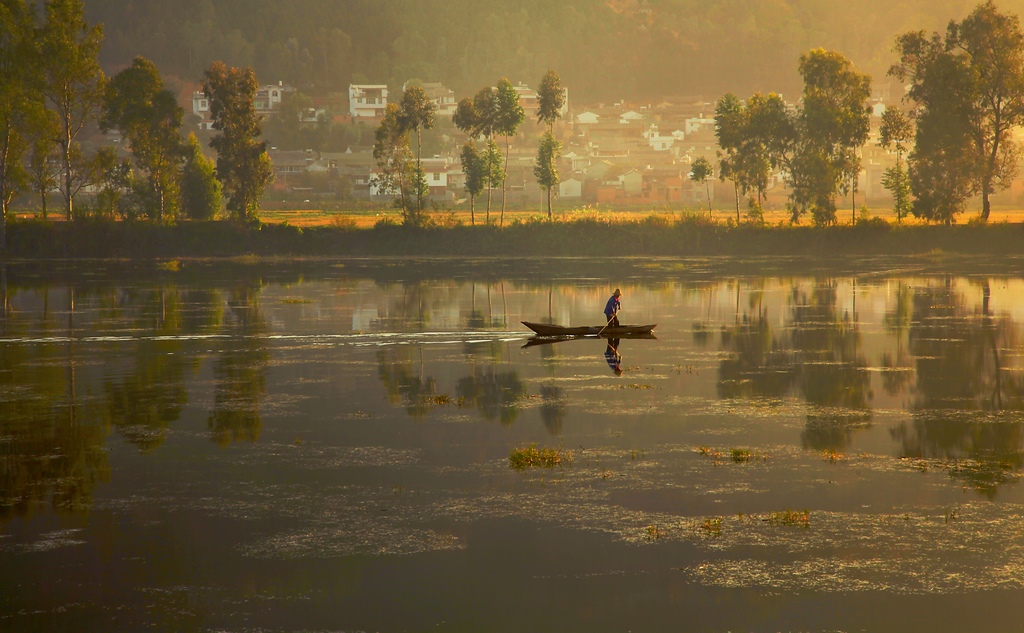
(687, 236)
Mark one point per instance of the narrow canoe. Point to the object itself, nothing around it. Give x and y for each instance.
(544, 329)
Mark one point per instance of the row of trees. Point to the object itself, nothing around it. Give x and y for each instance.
(52, 90)
(965, 98)
(494, 111)
(814, 145)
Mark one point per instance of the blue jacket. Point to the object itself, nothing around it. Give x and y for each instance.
(612, 307)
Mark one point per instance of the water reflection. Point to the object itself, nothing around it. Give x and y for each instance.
(85, 362)
(405, 381)
(961, 366)
(553, 408)
(613, 357)
(495, 392)
(240, 371)
(817, 354)
(51, 441)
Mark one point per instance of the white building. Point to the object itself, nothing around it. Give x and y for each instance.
(696, 124)
(266, 101)
(367, 101)
(571, 188)
(659, 142)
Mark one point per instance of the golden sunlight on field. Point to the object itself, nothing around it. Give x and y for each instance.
(367, 219)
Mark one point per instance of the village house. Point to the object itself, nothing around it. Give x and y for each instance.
(437, 171)
(268, 98)
(442, 98)
(266, 101)
(572, 187)
(367, 101)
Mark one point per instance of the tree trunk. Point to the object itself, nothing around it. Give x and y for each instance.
(472, 210)
(504, 176)
(853, 196)
(419, 174)
(986, 206)
(736, 190)
(66, 146)
(707, 192)
(549, 202)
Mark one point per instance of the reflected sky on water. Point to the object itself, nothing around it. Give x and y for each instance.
(329, 451)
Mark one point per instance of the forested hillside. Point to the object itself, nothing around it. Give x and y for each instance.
(603, 49)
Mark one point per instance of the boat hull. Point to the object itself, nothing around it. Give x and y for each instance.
(544, 329)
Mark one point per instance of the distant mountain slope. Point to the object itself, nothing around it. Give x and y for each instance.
(603, 49)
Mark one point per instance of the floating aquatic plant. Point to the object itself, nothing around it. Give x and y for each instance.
(654, 532)
(533, 457)
(794, 518)
(832, 456)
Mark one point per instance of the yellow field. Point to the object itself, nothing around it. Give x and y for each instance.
(366, 219)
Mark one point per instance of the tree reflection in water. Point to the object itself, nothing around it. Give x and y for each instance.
(832, 371)
(553, 408)
(144, 401)
(495, 393)
(818, 354)
(52, 449)
(898, 369)
(963, 392)
(240, 371)
(405, 382)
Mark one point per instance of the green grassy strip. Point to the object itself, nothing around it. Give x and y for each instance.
(653, 236)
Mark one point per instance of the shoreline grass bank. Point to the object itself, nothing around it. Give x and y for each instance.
(686, 237)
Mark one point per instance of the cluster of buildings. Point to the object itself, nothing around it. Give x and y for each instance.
(620, 154)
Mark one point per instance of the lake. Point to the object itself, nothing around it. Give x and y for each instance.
(325, 446)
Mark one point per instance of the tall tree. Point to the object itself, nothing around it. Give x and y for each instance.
(550, 99)
(242, 162)
(546, 167)
(200, 189)
(394, 162)
(20, 111)
(417, 114)
(475, 171)
(989, 46)
(43, 170)
(700, 171)
(833, 123)
(509, 116)
(148, 115)
(942, 170)
(757, 138)
(493, 170)
(71, 81)
(896, 132)
(477, 117)
(730, 115)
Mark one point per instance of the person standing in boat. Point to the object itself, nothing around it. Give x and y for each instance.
(611, 309)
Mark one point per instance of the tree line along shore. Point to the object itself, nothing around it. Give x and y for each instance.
(953, 144)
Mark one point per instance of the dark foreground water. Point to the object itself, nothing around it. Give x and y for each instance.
(233, 449)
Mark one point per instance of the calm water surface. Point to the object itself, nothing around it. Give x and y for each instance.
(327, 450)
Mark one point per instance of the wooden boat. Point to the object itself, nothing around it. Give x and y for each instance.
(537, 339)
(620, 331)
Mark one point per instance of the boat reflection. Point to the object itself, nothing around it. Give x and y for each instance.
(612, 353)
